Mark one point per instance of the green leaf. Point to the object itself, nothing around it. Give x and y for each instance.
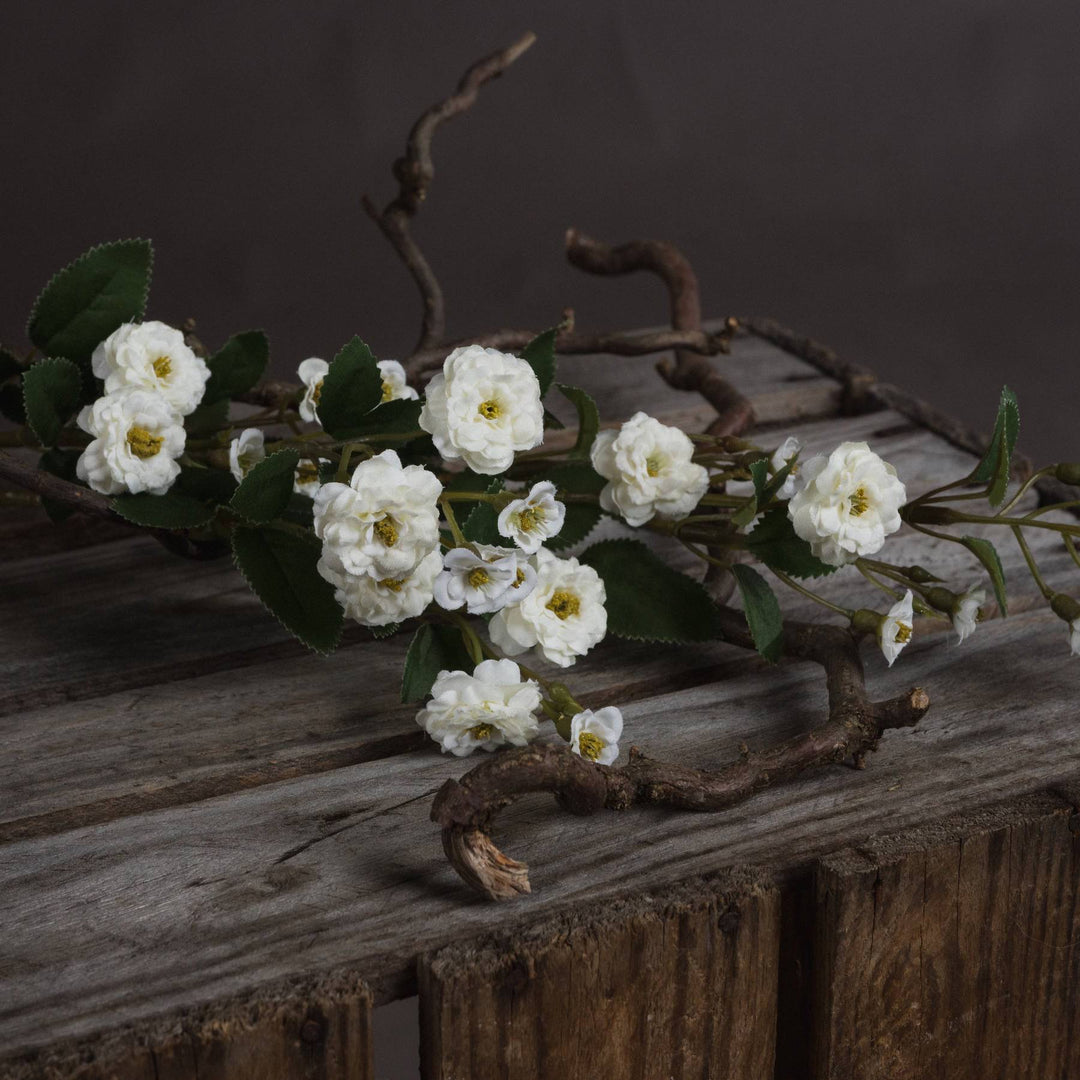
(578, 478)
(208, 419)
(646, 599)
(482, 524)
(207, 485)
(52, 390)
(759, 473)
(390, 418)
(775, 543)
(9, 364)
(11, 403)
(281, 569)
(173, 510)
(987, 554)
(84, 303)
(539, 354)
(60, 463)
(264, 493)
(432, 649)
(588, 419)
(352, 388)
(237, 366)
(995, 467)
(762, 612)
(551, 421)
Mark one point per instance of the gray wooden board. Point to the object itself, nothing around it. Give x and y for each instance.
(319, 853)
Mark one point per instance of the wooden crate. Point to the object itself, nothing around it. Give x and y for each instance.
(216, 855)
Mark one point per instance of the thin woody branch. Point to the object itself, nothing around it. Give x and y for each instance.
(414, 173)
(465, 809)
(28, 476)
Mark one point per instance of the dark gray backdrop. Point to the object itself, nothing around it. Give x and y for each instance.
(898, 180)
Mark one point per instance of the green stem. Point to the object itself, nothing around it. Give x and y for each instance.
(1071, 548)
(1030, 560)
(865, 571)
(1025, 487)
(451, 520)
(792, 584)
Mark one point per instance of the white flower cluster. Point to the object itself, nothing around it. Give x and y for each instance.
(152, 381)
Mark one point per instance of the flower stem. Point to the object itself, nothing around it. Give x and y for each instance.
(1030, 560)
(791, 583)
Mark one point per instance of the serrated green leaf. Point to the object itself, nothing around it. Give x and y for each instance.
(11, 403)
(434, 648)
(987, 554)
(264, 492)
(281, 569)
(87, 300)
(646, 599)
(173, 510)
(237, 366)
(59, 463)
(207, 485)
(389, 630)
(208, 419)
(351, 389)
(762, 611)
(539, 354)
(775, 543)
(588, 420)
(996, 465)
(759, 473)
(776, 483)
(578, 478)
(52, 390)
(300, 510)
(552, 422)
(391, 418)
(482, 524)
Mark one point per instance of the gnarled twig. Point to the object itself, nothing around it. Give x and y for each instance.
(465, 809)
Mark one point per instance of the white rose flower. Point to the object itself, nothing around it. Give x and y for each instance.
(483, 407)
(483, 581)
(306, 480)
(382, 523)
(311, 373)
(488, 708)
(246, 451)
(394, 384)
(373, 601)
(849, 502)
(788, 449)
(966, 614)
(894, 631)
(534, 519)
(137, 438)
(564, 615)
(152, 356)
(650, 472)
(595, 735)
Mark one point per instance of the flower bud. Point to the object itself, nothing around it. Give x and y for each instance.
(941, 598)
(865, 621)
(1068, 472)
(919, 574)
(929, 515)
(1065, 607)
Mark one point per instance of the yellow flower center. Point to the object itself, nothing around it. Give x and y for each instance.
(529, 518)
(478, 577)
(393, 584)
(163, 367)
(387, 391)
(247, 462)
(903, 633)
(590, 745)
(386, 531)
(316, 392)
(519, 580)
(307, 472)
(653, 464)
(480, 732)
(859, 502)
(564, 603)
(489, 409)
(141, 443)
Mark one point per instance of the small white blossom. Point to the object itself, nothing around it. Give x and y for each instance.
(966, 613)
(306, 481)
(894, 631)
(373, 601)
(152, 356)
(850, 501)
(489, 708)
(1074, 637)
(534, 519)
(311, 372)
(787, 450)
(650, 472)
(595, 735)
(483, 407)
(394, 384)
(483, 581)
(564, 615)
(382, 523)
(137, 438)
(246, 451)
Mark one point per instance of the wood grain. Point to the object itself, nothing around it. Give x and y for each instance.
(952, 951)
(670, 985)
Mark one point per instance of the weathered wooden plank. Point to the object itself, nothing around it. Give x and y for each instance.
(953, 950)
(669, 985)
(319, 1030)
(189, 904)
